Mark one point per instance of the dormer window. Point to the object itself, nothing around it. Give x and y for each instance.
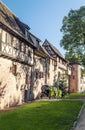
(37, 44)
(26, 33)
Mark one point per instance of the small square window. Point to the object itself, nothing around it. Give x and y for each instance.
(73, 77)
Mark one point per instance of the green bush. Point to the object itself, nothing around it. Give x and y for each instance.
(59, 94)
(53, 92)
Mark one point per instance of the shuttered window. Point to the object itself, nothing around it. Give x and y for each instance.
(58, 74)
(14, 69)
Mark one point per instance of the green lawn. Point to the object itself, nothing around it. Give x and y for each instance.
(41, 116)
(75, 95)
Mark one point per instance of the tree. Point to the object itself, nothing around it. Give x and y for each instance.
(73, 40)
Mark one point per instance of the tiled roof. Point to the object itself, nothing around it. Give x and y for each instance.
(11, 21)
(22, 25)
(8, 18)
(31, 34)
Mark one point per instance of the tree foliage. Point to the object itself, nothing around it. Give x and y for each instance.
(73, 40)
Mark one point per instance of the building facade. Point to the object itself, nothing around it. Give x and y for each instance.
(16, 60)
(57, 64)
(25, 65)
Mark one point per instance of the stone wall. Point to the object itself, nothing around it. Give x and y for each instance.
(76, 83)
(73, 80)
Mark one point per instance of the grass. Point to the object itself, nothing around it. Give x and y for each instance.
(41, 116)
(75, 95)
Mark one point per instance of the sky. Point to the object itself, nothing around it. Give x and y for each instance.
(44, 17)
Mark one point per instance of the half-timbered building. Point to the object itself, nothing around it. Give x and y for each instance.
(16, 59)
(58, 65)
(39, 67)
(25, 65)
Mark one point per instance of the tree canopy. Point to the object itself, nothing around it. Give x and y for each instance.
(73, 40)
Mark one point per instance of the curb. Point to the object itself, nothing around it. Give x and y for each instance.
(49, 100)
(76, 122)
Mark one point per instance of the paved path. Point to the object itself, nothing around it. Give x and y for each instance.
(81, 121)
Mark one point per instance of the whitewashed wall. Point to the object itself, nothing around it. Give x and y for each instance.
(50, 79)
(11, 87)
(39, 69)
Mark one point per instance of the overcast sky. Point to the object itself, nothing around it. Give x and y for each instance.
(44, 16)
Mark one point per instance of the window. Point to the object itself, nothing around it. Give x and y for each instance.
(27, 48)
(14, 69)
(58, 74)
(48, 75)
(22, 47)
(41, 75)
(36, 75)
(55, 67)
(16, 43)
(9, 39)
(27, 79)
(4, 36)
(73, 77)
(37, 43)
(29, 53)
(55, 63)
(26, 33)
